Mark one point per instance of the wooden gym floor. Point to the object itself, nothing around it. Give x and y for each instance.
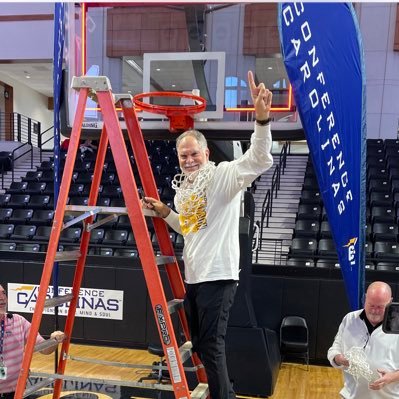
(294, 381)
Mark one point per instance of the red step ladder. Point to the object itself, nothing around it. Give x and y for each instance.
(112, 134)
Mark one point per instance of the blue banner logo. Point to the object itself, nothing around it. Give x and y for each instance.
(323, 55)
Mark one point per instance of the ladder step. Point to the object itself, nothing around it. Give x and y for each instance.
(50, 343)
(185, 351)
(119, 210)
(200, 392)
(36, 387)
(63, 256)
(174, 305)
(58, 300)
(163, 260)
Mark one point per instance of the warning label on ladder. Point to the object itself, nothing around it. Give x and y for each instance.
(162, 324)
(173, 364)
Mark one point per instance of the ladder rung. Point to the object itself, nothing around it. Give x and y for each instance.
(201, 391)
(58, 300)
(121, 210)
(135, 384)
(185, 351)
(36, 387)
(50, 343)
(63, 256)
(174, 305)
(163, 260)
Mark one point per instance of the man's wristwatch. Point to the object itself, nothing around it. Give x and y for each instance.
(263, 122)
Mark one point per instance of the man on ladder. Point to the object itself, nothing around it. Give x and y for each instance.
(208, 200)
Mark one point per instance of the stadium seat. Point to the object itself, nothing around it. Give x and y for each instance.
(8, 246)
(115, 237)
(124, 222)
(33, 176)
(23, 232)
(76, 190)
(112, 192)
(310, 212)
(42, 217)
(39, 201)
(131, 241)
(6, 230)
(386, 249)
(4, 198)
(380, 199)
(70, 234)
(5, 214)
(303, 246)
(21, 216)
(42, 233)
(328, 264)
(300, 262)
(382, 214)
(84, 178)
(18, 200)
(387, 267)
(311, 197)
(47, 176)
(126, 252)
(35, 188)
(306, 228)
(100, 251)
(17, 187)
(46, 165)
(385, 232)
(97, 236)
(380, 186)
(325, 231)
(326, 247)
(28, 247)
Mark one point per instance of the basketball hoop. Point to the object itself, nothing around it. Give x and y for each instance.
(180, 116)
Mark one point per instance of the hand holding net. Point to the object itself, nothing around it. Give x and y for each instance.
(359, 366)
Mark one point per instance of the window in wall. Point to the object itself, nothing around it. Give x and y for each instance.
(234, 91)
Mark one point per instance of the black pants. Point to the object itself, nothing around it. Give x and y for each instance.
(8, 395)
(207, 307)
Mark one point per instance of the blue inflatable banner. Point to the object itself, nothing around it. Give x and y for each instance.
(323, 56)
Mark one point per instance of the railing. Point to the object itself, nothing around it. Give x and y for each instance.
(267, 205)
(14, 158)
(42, 142)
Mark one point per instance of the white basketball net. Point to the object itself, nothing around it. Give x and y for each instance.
(191, 190)
(358, 364)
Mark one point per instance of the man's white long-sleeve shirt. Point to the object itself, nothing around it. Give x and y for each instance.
(382, 352)
(212, 252)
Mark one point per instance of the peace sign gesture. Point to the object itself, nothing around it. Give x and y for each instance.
(261, 97)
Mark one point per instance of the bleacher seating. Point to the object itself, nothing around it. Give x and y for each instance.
(382, 214)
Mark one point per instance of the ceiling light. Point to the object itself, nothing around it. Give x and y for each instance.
(269, 67)
(158, 69)
(173, 85)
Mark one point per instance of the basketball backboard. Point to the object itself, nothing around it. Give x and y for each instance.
(219, 76)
